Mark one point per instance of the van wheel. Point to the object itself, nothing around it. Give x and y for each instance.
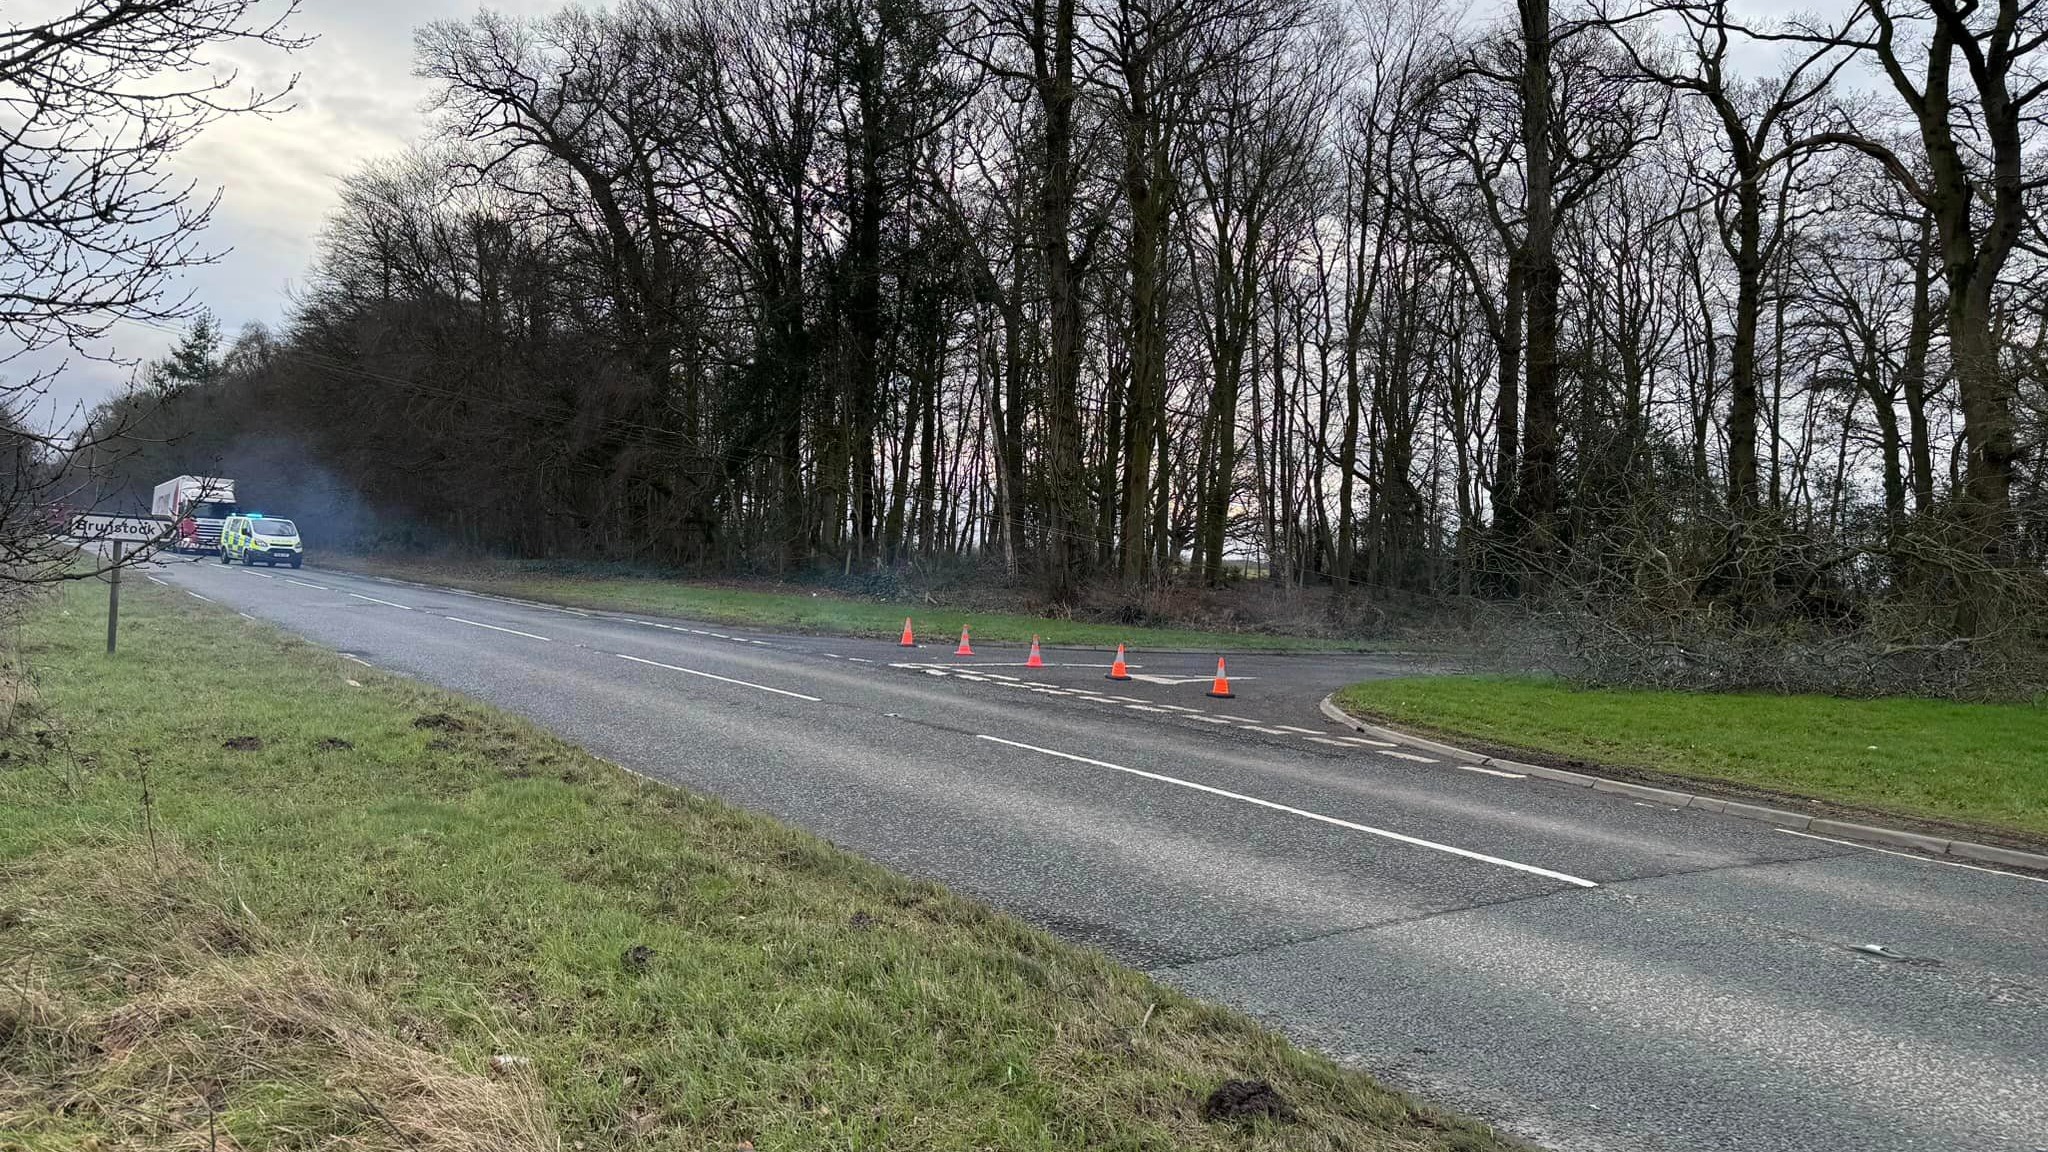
(223, 555)
(295, 562)
(248, 559)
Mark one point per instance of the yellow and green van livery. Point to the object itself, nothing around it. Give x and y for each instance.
(255, 538)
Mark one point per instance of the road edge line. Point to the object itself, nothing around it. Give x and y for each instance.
(1795, 821)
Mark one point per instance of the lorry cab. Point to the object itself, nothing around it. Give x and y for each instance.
(254, 537)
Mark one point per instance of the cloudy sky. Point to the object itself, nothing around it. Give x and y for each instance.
(356, 99)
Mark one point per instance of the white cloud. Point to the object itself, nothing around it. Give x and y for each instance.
(356, 99)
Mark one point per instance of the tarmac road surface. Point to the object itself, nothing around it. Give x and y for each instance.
(1589, 971)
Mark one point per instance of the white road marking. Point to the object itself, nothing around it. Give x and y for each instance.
(197, 596)
(261, 575)
(495, 628)
(1178, 708)
(245, 615)
(357, 659)
(1327, 740)
(1362, 742)
(1491, 772)
(1406, 756)
(720, 679)
(386, 603)
(860, 660)
(1130, 699)
(1147, 708)
(1298, 731)
(834, 656)
(1912, 856)
(1267, 731)
(1211, 720)
(1175, 681)
(154, 580)
(1305, 814)
(303, 584)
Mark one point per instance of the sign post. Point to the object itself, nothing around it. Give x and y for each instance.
(120, 531)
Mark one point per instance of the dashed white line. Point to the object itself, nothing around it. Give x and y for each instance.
(1406, 756)
(357, 659)
(1491, 772)
(495, 628)
(1327, 740)
(1466, 853)
(304, 584)
(197, 596)
(1362, 742)
(720, 679)
(1298, 731)
(1147, 708)
(1211, 720)
(245, 616)
(386, 603)
(259, 575)
(1257, 728)
(154, 580)
(1911, 856)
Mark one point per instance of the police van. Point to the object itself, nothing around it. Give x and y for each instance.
(257, 537)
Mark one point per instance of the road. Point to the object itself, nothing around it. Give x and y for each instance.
(1585, 970)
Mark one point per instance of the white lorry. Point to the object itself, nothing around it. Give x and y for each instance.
(207, 501)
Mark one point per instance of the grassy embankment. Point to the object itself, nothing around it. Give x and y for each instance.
(252, 896)
(1978, 765)
(807, 611)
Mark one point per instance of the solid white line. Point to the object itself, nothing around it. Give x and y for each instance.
(197, 596)
(1911, 856)
(303, 584)
(154, 580)
(494, 627)
(1491, 772)
(720, 679)
(386, 603)
(1368, 829)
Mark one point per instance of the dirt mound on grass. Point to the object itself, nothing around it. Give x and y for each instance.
(441, 722)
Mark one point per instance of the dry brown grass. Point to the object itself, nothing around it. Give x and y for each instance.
(138, 1005)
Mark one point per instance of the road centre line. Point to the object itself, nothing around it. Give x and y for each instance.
(495, 628)
(304, 584)
(1912, 856)
(263, 575)
(1564, 877)
(720, 679)
(386, 603)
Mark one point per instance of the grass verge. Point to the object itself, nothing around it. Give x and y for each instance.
(252, 896)
(1975, 765)
(823, 612)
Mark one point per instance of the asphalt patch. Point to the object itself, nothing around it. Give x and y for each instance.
(243, 743)
(1246, 1100)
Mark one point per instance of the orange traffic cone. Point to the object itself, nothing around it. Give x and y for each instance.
(1117, 671)
(1221, 689)
(963, 649)
(1034, 660)
(908, 641)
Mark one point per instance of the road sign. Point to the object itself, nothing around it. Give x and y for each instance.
(124, 529)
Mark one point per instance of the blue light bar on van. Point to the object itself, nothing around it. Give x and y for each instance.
(255, 515)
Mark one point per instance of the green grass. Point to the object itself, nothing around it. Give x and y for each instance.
(325, 941)
(815, 611)
(1974, 764)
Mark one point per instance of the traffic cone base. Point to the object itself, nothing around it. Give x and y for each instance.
(964, 649)
(1221, 688)
(1034, 660)
(909, 640)
(1117, 670)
